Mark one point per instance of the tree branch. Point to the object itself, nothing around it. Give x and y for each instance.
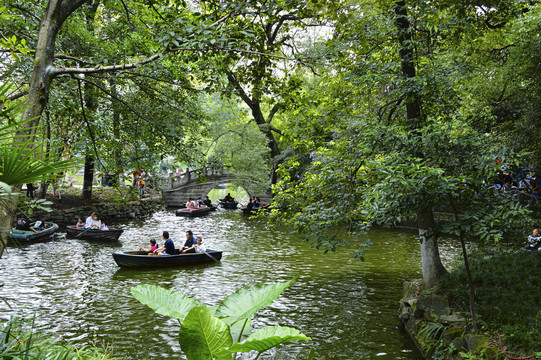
(241, 91)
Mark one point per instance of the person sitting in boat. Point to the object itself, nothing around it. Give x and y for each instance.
(80, 224)
(256, 203)
(199, 202)
(103, 224)
(207, 201)
(250, 204)
(38, 224)
(22, 223)
(189, 243)
(168, 247)
(95, 223)
(534, 241)
(89, 219)
(197, 247)
(151, 249)
(191, 204)
(228, 198)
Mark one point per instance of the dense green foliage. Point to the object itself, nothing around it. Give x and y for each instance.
(507, 295)
(217, 332)
(19, 340)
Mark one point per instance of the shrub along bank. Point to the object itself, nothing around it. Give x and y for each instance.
(508, 306)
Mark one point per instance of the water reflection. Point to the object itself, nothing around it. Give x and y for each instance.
(348, 307)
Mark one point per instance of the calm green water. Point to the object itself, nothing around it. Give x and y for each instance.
(346, 306)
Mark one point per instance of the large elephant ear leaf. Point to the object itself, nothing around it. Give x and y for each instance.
(203, 336)
(244, 303)
(163, 301)
(264, 339)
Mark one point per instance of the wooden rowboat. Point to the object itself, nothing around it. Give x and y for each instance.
(203, 210)
(94, 234)
(140, 259)
(228, 205)
(30, 236)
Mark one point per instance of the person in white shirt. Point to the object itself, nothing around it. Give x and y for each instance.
(199, 247)
(39, 223)
(534, 241)
(89, 219)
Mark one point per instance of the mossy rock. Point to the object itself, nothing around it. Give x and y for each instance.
(489, 352)
(430, 306)
(451, 334)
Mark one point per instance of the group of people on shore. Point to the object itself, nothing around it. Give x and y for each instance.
(191, 245)
(93, 222)
(196, 204)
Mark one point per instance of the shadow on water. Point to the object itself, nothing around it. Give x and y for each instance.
(348, 307)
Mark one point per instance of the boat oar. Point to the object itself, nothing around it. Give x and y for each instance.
(212, 257)
(79, 234)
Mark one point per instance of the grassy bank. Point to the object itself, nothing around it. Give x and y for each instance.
(18, 340)
(507, 297)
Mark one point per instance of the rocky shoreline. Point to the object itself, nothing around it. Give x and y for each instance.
(437, 329)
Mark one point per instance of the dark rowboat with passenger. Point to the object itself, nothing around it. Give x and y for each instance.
(228, 205)
(140, 259)
(204, 210)
(30, 236)
(94, 234)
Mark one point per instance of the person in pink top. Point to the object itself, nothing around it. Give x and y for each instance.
(191, 204)
(150, 250)
(80, 224)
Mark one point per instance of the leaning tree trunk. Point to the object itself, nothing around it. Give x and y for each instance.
(433, 268)
(55, 14)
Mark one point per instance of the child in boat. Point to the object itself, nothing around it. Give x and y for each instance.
(103, 224)
(199, 247)
(80, 224)
(95, 223)
(150, 250)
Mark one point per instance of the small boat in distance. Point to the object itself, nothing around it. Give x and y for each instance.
(140, 259)
(232, 205)
(30, 236)
(203, 210)
(94, 234)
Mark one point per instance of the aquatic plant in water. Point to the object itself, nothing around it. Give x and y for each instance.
(221, 331)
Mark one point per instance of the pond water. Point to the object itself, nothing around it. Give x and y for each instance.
(348, 307)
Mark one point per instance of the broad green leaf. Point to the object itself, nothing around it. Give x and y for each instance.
(203, 336)
(165, 302)
(244, 303)
(268, 337)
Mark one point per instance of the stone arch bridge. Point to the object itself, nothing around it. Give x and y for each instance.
(197, 184)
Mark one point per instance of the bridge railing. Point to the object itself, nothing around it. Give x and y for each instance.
(194, 175)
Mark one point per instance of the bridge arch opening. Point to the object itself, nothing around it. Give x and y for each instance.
(219, 191)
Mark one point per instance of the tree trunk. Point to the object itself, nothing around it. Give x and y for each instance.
(433, 269)
(117, 152)
(7, 212)
(88, 177)
(39, 83)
